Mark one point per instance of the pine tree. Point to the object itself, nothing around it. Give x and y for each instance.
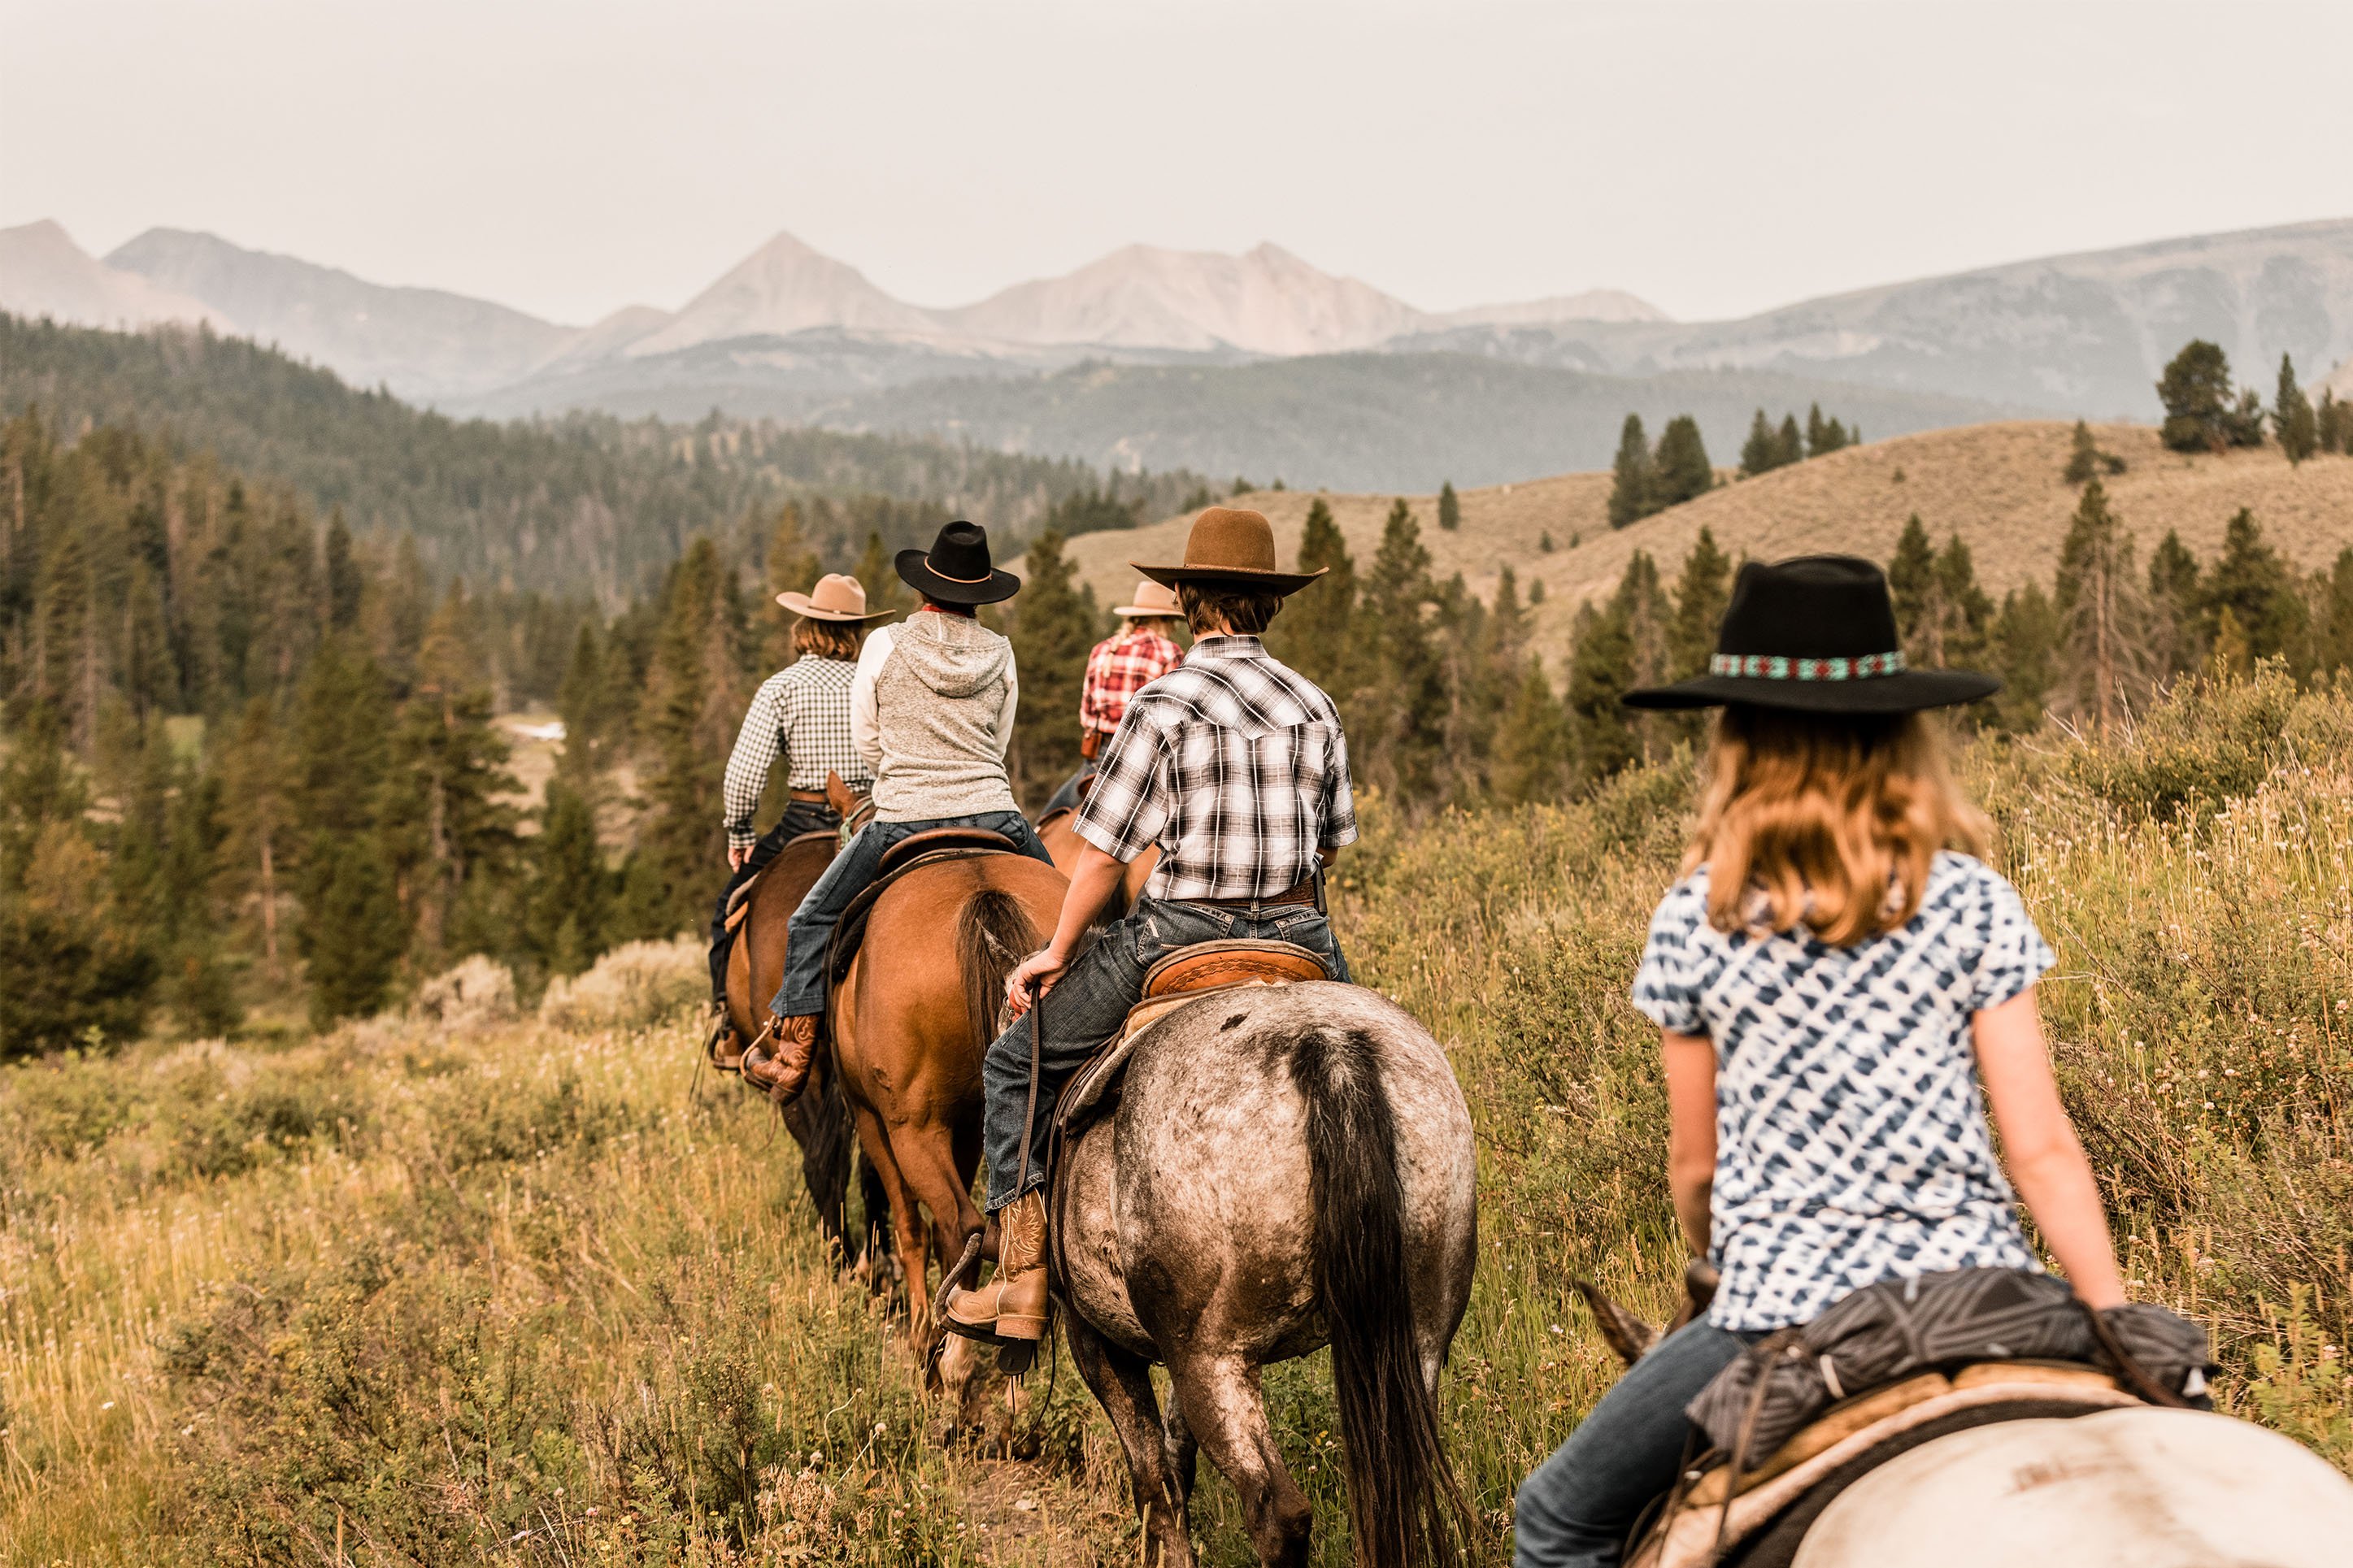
(1317, 633)
(353, 932)
(2026, 637)
(1681, 470)
(878, 573)
(2104, 619)
(791, 567)
(1912, 584)
(1630, 486)
(2333, 424)
(2177, 638)
(2084, 457)
(571, 893)
(2333, 634)
(1055, 623)
(1406, 699)
(1822, 436)
(2244, 425)
(1450, 509)
(1761, 452)
(1703, 594)
(1964, 612)
(2293, 420)
(1791, 441)
(255, 795)
(1600, 671)
(1531, 743)
(2196, 392)
(2251, 580)
(346, 581)
(681, 847)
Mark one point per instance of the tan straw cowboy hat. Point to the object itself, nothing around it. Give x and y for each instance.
(836, 598)
(1230, 544)
(1152, 602)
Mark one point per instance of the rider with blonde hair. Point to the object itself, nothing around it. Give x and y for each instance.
(1833, 978)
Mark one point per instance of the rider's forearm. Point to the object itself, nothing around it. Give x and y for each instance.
(1092, 884)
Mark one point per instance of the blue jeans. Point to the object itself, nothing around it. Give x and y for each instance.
(1576, 1508)
(852, 871)
(1087, 1006)
(1066, 797)
(800, 816)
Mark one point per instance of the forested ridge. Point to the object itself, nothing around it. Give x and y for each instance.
(587, 503)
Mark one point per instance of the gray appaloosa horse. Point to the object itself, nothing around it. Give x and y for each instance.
(1287, 1167)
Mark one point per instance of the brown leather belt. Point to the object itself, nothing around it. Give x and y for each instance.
(814, 796)
(1301, 893)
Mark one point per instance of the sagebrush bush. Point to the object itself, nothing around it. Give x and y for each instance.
(634, 986)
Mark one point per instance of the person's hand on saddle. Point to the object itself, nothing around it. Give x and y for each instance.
(1033, 978)
(736, 855)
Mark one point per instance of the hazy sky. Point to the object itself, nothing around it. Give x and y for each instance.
(570, 156)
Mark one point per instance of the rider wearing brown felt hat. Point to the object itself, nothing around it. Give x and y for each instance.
(1235, 766)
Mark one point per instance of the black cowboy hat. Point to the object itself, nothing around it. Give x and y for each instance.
(1816, 634)
(956, 570)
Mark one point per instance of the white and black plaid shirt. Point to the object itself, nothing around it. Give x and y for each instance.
(801, 713)
(1235, 765)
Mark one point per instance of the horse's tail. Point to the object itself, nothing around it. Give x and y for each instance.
(820, 1123)
(1405, 1506)
(993, 933)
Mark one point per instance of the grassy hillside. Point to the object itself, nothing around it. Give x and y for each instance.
(490, 1287)
(1998, 486)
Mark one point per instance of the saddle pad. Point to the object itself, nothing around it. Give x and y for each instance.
(1687, 1537)
(1210, 965)
(933, 840)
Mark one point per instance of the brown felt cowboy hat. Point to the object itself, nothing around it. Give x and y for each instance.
(1818, 634)
(835, 598)
(956, 569)
(1230, 544)
(1152, 602)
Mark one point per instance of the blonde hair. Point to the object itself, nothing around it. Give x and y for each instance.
(1829, 820)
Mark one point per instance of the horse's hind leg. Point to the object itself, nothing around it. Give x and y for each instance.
(1226, 1410)
(1123, 1383)
(1182, 1449)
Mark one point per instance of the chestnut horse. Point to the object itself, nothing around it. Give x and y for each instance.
(1057, 832)
(909, 1022)
(819, 1119)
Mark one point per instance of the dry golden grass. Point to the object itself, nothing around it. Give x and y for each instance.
(1998, 486)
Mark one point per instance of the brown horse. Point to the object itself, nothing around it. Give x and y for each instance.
(1058, 831)
(909, 1022)
(819, 1119)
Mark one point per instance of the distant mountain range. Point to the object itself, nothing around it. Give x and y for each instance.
(1172, 353)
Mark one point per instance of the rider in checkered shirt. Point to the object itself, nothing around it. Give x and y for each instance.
(1235, 765)
(1117, 668)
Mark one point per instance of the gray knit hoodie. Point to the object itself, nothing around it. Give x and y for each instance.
(931, 710)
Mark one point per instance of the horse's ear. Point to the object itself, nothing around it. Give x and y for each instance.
(1627, 1334)
(838, 795)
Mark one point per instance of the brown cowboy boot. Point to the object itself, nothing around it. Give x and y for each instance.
(784, 1072)
(1012, 1305)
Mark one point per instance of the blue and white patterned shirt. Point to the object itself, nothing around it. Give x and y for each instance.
(1851, 1140)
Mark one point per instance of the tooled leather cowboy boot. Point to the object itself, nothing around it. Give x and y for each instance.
(784, 1072)
(1012, 1305)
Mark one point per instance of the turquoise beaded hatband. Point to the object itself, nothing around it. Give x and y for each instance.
(1775, 667)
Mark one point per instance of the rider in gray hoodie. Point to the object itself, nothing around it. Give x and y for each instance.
(931, 711)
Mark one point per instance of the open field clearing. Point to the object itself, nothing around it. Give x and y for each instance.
(522, 1287)
(1998, 486)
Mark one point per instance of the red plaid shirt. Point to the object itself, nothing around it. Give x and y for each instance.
(1117, 670)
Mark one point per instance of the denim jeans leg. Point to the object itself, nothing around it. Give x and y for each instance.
(803, 992)
(1083, 1011)
(1576, 1508)
(800, 816)
(1016, 827)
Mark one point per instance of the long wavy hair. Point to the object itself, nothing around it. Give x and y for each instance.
(1825, 820)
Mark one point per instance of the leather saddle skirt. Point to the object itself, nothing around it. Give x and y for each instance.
(1177, 981)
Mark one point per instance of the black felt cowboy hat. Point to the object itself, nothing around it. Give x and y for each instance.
(1230, 544)
(956, 570)
(1816, 634)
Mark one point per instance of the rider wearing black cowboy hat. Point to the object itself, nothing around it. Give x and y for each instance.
(931, 713)
(1235, 765)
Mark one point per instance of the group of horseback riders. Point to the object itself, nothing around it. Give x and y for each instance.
(1843, 989)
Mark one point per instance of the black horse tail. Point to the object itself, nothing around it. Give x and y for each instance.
(1405, 1506)
(820, 1123)
(993, 935)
